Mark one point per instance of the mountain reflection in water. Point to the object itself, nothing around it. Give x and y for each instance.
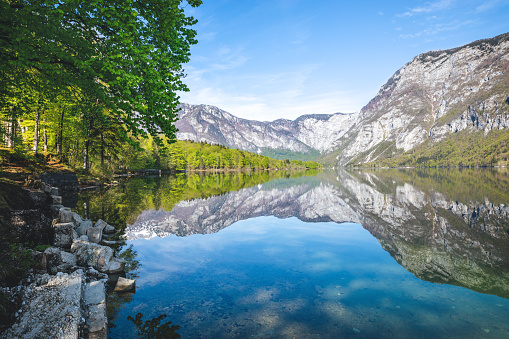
(444, 226)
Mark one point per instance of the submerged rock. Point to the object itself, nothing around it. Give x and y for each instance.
(125, 285)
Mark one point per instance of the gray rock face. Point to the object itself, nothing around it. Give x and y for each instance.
(95, 234)
(83, 227)
(435, 95)
(95, 300)
(51, 310)
(429, 99)
(101, 224)
(64, 234)
(307, 134)
(59, 261)
(65, 215)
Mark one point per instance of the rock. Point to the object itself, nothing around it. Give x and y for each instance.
(46, 188)
(95, 301)
(53, 191)
(57, 199)
(109, 229)
(68, 258)
(95, 274)
(77, 219)
(116, 265)
(60, 315)
(55, 209)
(94, 234)
(125, 285)
(64, 181)
(59, 261)
(65, 215)
(40, 199)
(40, 261)
(64, 234)
(101, 224)
(83, 238)
(83, 227)
(99, 257)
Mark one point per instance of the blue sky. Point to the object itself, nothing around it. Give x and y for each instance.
(270, 59)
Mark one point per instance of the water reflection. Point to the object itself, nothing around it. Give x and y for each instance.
(153, 328)
(227, 256)
(445, 226)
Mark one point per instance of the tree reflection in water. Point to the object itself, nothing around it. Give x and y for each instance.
(153, 328)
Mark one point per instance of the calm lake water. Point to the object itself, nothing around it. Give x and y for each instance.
(343, 254)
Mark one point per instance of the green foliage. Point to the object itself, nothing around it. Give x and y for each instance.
(132, 264)
(81, 79)
(462, 149)
(188, 155)
(286, 154)
(122, 204)
(15, 259)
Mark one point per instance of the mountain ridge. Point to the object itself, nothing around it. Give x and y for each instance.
(436, 97)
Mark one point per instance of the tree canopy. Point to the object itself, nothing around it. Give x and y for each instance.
(93, 71)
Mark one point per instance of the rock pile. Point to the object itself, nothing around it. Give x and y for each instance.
(66, 298)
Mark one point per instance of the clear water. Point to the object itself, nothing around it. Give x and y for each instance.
(266, 273)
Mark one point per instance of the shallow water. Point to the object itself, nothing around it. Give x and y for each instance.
(345, 254)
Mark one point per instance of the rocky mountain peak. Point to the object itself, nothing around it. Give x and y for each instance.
(431, 98)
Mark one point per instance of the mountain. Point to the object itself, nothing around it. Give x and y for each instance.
(451, 105)
(437, 96)
(305, 137)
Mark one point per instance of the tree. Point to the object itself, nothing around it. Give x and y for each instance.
(123, 56)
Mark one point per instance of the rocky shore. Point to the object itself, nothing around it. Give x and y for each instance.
(64, 294)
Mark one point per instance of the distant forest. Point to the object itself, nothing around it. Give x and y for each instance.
(188, 155)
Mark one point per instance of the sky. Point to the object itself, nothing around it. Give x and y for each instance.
(270, 59)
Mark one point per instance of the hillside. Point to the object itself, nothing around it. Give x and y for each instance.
(435, 109)
(301, 139)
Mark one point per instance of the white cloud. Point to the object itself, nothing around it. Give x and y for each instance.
(430, 7)
(281, 102)
(488, 5)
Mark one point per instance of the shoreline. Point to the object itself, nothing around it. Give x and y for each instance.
(64, 291)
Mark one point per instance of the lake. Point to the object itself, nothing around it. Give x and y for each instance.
(334, 254)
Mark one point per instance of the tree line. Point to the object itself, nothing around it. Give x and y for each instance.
(189, 155)
(83, 79)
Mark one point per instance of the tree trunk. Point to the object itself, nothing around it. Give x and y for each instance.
(45, 136)
(11, 135)
(102, 152)
(36, 131)
(76, 148)
(60, 137)
(85, 150)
